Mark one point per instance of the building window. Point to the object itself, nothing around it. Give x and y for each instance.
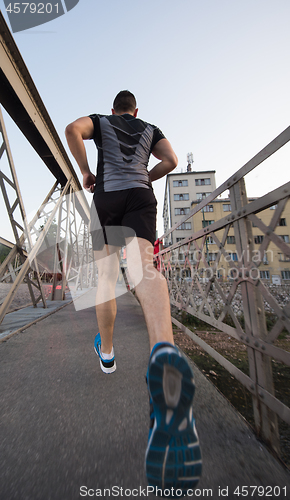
(285, 237)
(264, 275)
(202, 182)
(207, 208)
(179, 239)
(182, 183)
(285, 275)
(184, 225)
(234, 256)
(265, 259)
(227, 207)
(211, 256)
(282, 222)
(258, 239)
(231, 240)
(201, 196)
(210, 240)
(283, 257)
(206, 223)
(181, 211)
(181, 197)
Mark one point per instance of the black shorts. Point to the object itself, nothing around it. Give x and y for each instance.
(116, 215)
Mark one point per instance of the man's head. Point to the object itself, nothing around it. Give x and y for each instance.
(124, 102)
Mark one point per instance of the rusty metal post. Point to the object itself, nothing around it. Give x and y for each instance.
(266, 421)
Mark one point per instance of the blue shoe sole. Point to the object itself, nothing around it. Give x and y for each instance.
(173, 458)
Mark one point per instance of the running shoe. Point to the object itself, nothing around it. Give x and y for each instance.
(107, 365)
(173, 458)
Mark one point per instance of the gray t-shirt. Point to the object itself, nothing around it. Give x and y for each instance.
(124, 146)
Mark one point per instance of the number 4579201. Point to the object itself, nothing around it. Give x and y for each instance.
(261, 491)
(31, 8)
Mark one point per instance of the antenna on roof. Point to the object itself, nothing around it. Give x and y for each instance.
(189, 161)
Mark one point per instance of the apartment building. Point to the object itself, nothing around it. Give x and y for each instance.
(275, 267)
(180, 191)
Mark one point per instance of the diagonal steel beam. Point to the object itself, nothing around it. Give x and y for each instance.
(13, 252)
(13, 181)
(32, 255)
(20, 98)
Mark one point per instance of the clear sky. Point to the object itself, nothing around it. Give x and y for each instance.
(213, 75)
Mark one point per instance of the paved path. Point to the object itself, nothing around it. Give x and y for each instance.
(66, 425)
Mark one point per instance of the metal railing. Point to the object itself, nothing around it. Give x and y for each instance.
(66, 244)
(191, 292)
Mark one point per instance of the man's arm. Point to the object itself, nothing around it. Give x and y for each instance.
(76, 133)
(163, 151)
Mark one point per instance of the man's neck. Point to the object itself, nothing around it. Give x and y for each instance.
(132, 113)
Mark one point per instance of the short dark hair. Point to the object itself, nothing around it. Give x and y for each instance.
(124, 101)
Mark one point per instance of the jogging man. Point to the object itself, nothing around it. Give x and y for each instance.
(124, 213)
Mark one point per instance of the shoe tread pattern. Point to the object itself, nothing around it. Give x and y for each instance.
(173, 458)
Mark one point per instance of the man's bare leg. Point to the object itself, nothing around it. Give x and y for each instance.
(170, 384)
(107, 261)
(151, 291)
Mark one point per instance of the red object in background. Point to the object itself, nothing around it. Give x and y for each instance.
(157, 248)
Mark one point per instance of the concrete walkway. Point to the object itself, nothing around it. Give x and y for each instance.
(19, 319)
(68, 431)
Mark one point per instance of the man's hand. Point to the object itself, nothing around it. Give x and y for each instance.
(89, 181)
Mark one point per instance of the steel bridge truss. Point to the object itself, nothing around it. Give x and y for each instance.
(56, 242)
(195, 288)
(55, 245)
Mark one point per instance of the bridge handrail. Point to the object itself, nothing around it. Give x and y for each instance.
(185, 294)
(265, 153)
